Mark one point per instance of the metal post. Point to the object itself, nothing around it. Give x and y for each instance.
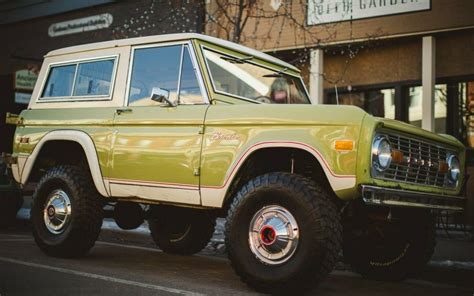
(316, 78)
(428, 83)
(401, 103)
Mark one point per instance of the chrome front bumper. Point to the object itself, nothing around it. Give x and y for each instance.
(373, 195)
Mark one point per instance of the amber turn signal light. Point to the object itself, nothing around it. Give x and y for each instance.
(397, 156)
(344, 145)
(443, 167)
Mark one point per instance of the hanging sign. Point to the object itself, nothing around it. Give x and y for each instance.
(329, 11)
(25, 79)
(22, 98)
(91, 23)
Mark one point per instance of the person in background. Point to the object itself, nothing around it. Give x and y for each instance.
(282, 92)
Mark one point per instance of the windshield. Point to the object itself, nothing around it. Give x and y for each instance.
(238, 77)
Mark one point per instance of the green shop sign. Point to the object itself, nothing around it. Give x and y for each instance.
(25, 79)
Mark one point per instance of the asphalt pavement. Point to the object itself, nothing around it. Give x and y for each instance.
(127, 263)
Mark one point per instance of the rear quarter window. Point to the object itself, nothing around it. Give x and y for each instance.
(60, 80)
(91, 79)
(94, 78)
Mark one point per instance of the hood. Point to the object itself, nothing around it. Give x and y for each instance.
(273, 114)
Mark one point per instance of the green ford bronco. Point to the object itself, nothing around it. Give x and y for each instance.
(181, 129)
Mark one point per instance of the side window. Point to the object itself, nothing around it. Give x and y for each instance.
(79, 80)
(60, 81)
(189, 91)
(93, 78)
(156, 67)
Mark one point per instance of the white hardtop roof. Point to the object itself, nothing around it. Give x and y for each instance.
(170, 37)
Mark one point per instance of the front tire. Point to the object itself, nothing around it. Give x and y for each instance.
(66, 212)
(283, 233)
(181, 231)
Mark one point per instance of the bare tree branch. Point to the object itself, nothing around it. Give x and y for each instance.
(288, 18)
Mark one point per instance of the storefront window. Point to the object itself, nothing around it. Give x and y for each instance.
(379, 102)
(457, 119)
(440, 107)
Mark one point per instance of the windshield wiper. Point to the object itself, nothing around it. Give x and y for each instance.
(277, 74)
(235, 60)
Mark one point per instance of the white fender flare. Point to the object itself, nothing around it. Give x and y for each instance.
(213, 196)
(82, 139)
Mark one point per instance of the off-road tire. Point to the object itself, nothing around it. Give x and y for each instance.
(427, 243)
(10, 202)
(320, 231)
(181, 231)
(84, 226)
(401, 253)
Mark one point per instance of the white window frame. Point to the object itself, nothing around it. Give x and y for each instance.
(197, 71)
(72, 98)
(204, 47)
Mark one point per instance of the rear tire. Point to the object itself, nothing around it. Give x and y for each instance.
(266, 212)
(393, 250)
(181, 231)
(66, 212)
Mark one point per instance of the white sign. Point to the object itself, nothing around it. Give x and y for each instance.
(80, 25)
(329, 11)
(25, 79)
(22, 98)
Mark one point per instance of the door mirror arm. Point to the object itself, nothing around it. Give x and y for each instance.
(161, 95)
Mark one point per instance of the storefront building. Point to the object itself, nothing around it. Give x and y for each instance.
(411, 60)
(32, 28)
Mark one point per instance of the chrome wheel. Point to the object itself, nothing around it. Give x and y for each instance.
(273, 235)
(57, 211)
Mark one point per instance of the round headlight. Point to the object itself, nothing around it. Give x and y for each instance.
(381, 153)
(454, 168)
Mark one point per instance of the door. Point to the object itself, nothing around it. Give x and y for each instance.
(156, 145)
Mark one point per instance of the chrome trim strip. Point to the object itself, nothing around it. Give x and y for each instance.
(307, 92)
(394, 203)
(375, 195)
(180, 72)
(71, 94)
(199, 73)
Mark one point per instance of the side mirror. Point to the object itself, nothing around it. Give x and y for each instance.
(161, 95)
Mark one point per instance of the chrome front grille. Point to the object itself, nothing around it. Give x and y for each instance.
(421, 162)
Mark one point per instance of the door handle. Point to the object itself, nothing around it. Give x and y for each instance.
(123, 110)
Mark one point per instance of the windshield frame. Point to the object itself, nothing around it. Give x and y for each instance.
(252, 62)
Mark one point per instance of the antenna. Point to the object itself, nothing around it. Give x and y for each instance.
(337, 95)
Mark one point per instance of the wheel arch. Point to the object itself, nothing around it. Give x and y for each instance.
(77, 141)
(292, 157)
